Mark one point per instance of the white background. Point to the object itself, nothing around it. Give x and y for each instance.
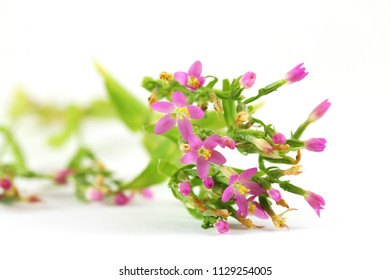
(47, 47)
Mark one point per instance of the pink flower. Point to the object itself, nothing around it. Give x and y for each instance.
(193, 79)
(319, 111)
(121, 199)
(147, 193)
(177, 112)
(61, 178)
(5, 183)
(255, 208)
(248, 79)
(94, 194)
(202, 153)
(275, 194)
(239, 187)
(296, 74)
(316, 201)
(226, 142)
(222, 226)
(208, 182)
(315, 144)
(185, 188)
(279, 138)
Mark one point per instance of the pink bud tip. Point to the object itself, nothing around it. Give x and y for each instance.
(279, 138)
(315, 144)
(5, 183)
(222, 226)
(315, 201)
(185, 188)
(319, 111)
(61, 178)
(208, 182)
(275, 194)
(121, 199)
(93, 194)
(296, 74)
(147, 193)
(248, 79)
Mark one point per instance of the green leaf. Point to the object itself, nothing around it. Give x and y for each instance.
(17, 153)
(166, 168)
(132, 112)
(72, 126)
(172, 134)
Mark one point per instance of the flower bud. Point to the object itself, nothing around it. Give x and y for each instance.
(5, 183)
(275, 194)
(319, 111)
(121, 199)
(279, 138)
(222, 226)
(315, 201)
(185, 188)
(263, 146)
(94, 194)
(315, 144)
(208, 182)
(248, 79)
(296, 74)
(61, 178)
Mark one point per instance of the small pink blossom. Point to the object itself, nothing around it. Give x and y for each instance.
(319, 111)
(185, 188)
(279, 138)
(94, 194)
(61, 178)
(208, 182)
(315, 201)
(5, 183)
(193, 79)
(239, 187)
(296, 74)
(275, 194)
(147, 193)
(315, 144)
(202, 153)
(121, 199)
(177, 112)
(255, 208)
(226, 142)
(248, 79)
(222, 226)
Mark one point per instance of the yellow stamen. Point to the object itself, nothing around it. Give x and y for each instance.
(193, 82)
(251, 208)
(204, 153)
(243, 190)
(183, 111)
(165, 76)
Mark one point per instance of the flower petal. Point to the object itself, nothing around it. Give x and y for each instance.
(195, 142)
(181, 77)
(195, 69)
(201, 81)
(164, 124)
(217, 158)
(195, 112)
(203, 167)
(185, 128)
(227, 194)
(233, 179)
(260, 212)
(211, 142)
(163, 107)
(248, 174)
(241, 203)
(179, 99)
(189, 158)
(254, 188)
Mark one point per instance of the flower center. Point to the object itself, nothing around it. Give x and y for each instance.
(203, 152)
(243, 190)
(193, 82)
(251, 208)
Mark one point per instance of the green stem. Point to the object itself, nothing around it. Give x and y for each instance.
(266, 90)
(229, 107)
(15, 148)
(298, 133)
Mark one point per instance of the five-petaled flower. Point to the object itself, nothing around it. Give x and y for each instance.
(202, 152)
(176, 112)
(239, 187)
(193, 79)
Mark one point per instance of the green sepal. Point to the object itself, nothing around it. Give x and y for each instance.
(288, 187)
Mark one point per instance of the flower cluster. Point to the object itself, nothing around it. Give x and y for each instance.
(208, 187)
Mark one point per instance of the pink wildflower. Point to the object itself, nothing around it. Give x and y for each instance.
(279, 138)
(193, 79)
(319, 111)
(315, 144)
(185, 188)
(94, 194)
(222, 226)
(316, 201)
(239, 187)
(121, 199)
(296, 74)
(202, 153)
(248, 79)
(177, 112)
